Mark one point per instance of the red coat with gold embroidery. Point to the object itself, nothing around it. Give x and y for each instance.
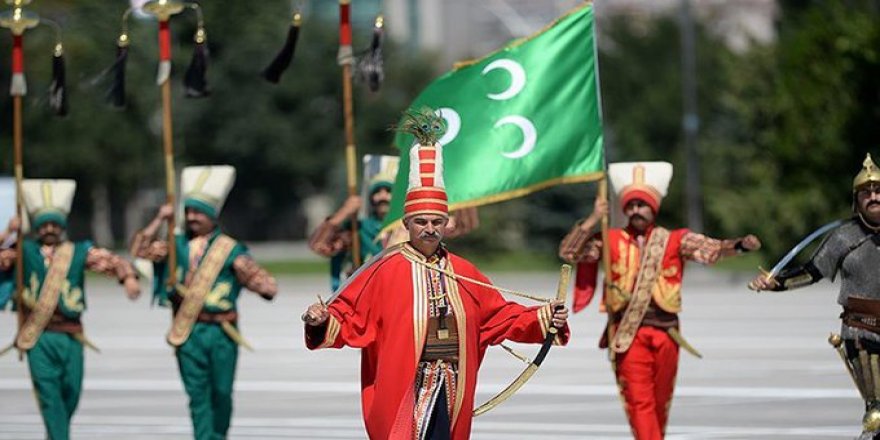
(384, 311)
(625, 252)
(626, 255)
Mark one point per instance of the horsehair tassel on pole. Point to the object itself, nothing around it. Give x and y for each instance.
(371, 67)
(285, 56)
(18, 87)
(116, 94)
(164, 53)
(346, 59)
(194, 81)
(58, 86)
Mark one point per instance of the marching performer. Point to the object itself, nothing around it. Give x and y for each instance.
(851, 251)
(642, 296)
(211, 270)
(53, 299)
(423, 318)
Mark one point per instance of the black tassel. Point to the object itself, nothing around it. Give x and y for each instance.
(371, 66)
(194, 81)
(285, 56)
(116, 94)
(58, 86)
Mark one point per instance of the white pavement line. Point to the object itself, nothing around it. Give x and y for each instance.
(310, 427)
(165, 385)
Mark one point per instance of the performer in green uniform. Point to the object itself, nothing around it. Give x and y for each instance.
(332, 238)
(53, 298)
(211, 270)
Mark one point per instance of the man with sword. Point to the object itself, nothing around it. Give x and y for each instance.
(851, 251)
(424, 318)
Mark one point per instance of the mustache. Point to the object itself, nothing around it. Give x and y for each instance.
(433, 234)
(873, 202)
(637, 217)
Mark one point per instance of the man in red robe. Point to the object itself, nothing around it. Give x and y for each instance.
(423, 318)
(644, 297)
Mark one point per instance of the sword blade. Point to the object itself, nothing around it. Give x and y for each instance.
(800, 246)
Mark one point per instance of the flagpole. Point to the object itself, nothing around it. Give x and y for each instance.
(17, 145)
(345, 58)
(18, 20)
(170, 192)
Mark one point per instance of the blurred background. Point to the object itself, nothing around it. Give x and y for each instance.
(766, 108)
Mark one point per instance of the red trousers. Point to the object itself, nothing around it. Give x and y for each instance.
(646, 379)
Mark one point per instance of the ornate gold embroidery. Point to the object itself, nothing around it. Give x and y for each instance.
(218, 296)
(29, 294)
(72, 298)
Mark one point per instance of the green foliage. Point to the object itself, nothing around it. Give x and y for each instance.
(285, 140)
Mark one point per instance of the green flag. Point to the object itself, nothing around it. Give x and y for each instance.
(522, 119)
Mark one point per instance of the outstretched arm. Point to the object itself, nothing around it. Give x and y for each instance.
(707, 250)
(103, 261)
(254, 278)
(502, 320)
(787, 279)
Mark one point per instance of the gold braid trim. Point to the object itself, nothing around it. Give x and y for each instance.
(332, 332)
(473, 281)
(48, 301)
(197, 291)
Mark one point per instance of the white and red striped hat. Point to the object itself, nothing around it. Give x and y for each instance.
(427, 192)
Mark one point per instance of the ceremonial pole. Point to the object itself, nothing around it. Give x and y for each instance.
(345, 58)
(195, 84)
(18, 20)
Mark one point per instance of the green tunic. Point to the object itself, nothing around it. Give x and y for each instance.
(224, 293)
(207, 360)
(368, 230)
(56, 360)
(72, 299)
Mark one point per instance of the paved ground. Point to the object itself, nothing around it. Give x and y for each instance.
(767, 374)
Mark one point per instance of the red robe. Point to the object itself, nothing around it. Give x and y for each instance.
(384, 311)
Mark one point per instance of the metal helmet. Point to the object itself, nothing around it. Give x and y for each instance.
(869, 173)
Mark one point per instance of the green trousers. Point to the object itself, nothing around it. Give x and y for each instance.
(56, 365)
(207, 367)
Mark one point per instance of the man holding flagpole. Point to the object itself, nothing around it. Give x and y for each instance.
(643, 295)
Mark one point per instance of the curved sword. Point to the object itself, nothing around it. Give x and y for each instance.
(561, 291)
(800, 246)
